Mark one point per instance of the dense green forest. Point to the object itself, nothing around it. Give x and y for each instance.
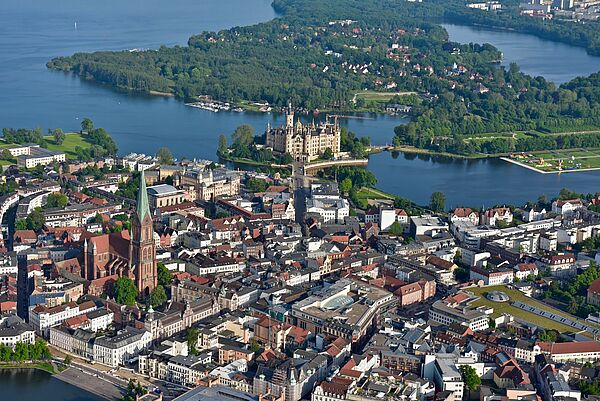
(318, 55)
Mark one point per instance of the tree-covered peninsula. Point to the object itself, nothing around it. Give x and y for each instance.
(353, 55)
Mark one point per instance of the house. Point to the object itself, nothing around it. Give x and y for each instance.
(593, 293)
(525, 270)
(559, 265)
(564, 207)
(493, 276)
(533, 215)
(464, 214)
(493, 216)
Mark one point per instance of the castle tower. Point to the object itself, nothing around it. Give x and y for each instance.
(289, 117)
(142, 250)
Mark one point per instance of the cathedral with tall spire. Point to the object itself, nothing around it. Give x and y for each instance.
(107, 257)
(142, 250)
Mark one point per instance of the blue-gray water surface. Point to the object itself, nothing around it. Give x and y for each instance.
(36, 385)
(33, 31)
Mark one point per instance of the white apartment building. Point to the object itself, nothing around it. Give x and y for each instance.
(100, 319)
(122, 348)
(42, 317)
(492, 276)
(14, 330)
(187, 370)
(447, 377)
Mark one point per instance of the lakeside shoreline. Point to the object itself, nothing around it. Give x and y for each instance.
(47, 367)
(507, 159)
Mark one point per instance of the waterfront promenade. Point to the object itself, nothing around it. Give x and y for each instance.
(95, 382)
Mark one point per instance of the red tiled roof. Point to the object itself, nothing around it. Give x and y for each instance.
(76, 321)
(575, 347)
(462, 212)
(25, 236)
(595, 287)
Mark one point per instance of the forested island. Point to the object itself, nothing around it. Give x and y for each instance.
(349, 55)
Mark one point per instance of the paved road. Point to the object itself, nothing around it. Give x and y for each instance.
(94, 382)
(117, 378)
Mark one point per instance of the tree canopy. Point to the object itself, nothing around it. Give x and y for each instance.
(164, 156)
(125, 291)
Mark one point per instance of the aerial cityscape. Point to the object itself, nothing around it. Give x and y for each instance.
(285, 200)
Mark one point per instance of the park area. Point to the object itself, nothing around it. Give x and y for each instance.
(71, 141)
(556, 161)
(515, 295)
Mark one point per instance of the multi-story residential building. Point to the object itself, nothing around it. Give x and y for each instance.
(293, 380)
(493, 216)
(187, 370)
(33, 155)
(100, 319)
(447, 377)
(77, 215)
(564, 207)
(304, 142)
(325, 201)
(464, 214)
(580, 351)
(493, 276)
(8, 263)
(42, 317)
(122, 348)
(398, 362)
(201, 265)
(559, 265)
(551, 383)
(385, 216)
(14, 330)
(525, 270)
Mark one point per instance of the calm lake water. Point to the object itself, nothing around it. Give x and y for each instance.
(33, 31)
(554, 61)
(36, 385)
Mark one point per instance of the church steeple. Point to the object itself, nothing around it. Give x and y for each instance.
(142, 205)
(142, 250)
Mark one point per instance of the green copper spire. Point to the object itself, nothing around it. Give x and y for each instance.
(142, 206)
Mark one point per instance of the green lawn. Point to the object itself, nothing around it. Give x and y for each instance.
(45, 366)
(372, 193)
(72, 139)
(572, 159)
(381, 97)
(516, 295)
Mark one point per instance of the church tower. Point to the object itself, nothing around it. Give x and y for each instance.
(142, 249)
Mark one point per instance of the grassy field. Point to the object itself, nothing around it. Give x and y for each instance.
(515, 295)
(380, 97)
(372, 193)
(45, 366)
(561, 160)
(72, 140)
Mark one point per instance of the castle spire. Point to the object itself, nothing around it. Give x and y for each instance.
(142, 205)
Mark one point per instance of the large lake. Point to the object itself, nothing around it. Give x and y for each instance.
(33, 31)
(36, 385)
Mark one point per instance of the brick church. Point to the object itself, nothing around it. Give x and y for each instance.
(109, 256)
